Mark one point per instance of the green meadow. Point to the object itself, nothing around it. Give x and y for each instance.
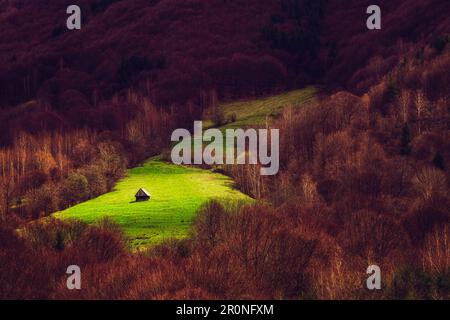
(176, 194)
(254, 112)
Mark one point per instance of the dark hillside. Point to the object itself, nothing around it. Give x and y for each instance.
(177, 51)
(363, 177)
(415, 24)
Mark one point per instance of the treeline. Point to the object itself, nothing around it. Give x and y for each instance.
(235, 251)
(372, 173)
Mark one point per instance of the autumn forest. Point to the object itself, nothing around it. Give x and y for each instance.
(364, 149)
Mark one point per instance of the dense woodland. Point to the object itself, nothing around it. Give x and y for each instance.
(364, 172)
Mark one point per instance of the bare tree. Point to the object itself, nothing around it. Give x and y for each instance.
(404, 102)
(6, 196)
(420, 104)
(430, 181)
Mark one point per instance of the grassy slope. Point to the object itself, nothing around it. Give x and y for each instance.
(254, 112)
(177, 192)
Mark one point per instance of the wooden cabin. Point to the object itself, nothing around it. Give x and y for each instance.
(142, 195)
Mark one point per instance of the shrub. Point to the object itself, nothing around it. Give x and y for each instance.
(231, 117)
(96, 180)
(42, 201)
(53, 233)
(75, 189)
(411, 283)
(112, 161)
(101, 243)
(208, 223)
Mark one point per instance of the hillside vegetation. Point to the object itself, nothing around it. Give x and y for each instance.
(255, 112)
(176, 194)
(364, 167)
(183, 50)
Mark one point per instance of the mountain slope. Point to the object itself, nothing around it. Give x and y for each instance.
(176, 194)
(175, 50)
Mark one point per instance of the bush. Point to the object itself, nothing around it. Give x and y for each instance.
(231, 118)
(23, 273)
(75, 189)
(411, 283)
(53, 233)
(42, 201)
(101, 245)
(112, 162)
(208, 223)
(96, 180)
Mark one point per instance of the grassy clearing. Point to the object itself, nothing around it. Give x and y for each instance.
(177, 192)
(255, 112)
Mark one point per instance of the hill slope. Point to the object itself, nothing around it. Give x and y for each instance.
(177, 52)
(177, 192)
(255, 111)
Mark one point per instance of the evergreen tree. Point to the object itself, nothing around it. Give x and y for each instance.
(439, 161)
(405, 148)
(59, 245)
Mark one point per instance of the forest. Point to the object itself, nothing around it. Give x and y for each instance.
(364, 168)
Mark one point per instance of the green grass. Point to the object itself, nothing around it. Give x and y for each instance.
(255, 112)
(177, 192)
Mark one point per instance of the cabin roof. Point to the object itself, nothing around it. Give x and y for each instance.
(142, 193)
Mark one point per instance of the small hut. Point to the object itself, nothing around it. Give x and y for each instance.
(142, 195)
